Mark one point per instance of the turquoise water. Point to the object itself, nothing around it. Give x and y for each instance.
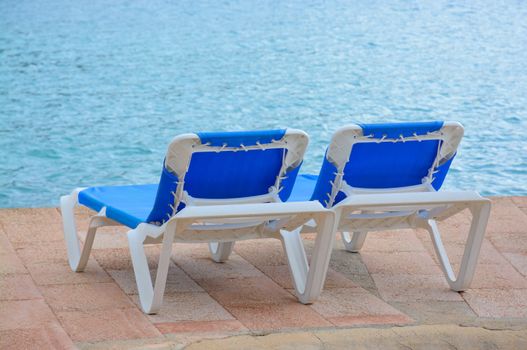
(91, 92)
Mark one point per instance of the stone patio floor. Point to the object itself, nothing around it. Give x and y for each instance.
(390, 292)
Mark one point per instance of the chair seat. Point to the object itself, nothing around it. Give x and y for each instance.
(303, 188)
(129, 205)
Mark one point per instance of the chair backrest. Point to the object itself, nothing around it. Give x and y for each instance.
(228, 167)
(387, 156)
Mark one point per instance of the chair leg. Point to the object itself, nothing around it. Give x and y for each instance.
(296, 258)
(309, 279)
(150, 296)
(480, 215)
(354, 243)
(220, 251)
(77, 258)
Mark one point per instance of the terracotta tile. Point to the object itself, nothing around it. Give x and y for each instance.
(177, 280)
(42, 252)
(389, 241)
(515, 242)
(519, 261)
(119, 258)
(31, 233)
(18, 287)
(107, 325)
(352, 303)
(246, 291)
(506, 217)
(196, 306)
(520, 202)
(437, 312)
(498, 303)
(352, 267)
(83, 297)
(453, 229)
(61, 273)
(110, 237)
(25, 314)
(199, 268)
(200, 326)
(488, 254)
(346, 321)
(262, 252)
(114, 259)
(348, 264)
(400, 263)
(406, 288)
(11, 264)
(5, 245)
(191, 250)
(455, 250)
(277, 316)
(82, 217)
(496, 276)
(281, 275)
(49, 337)
(29, 215)
(309, 236)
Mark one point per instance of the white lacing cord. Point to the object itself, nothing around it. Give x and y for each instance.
(222, 148)
(336, 185)
(381, 139)
(430, 178)
(281, 174)
(401, 138)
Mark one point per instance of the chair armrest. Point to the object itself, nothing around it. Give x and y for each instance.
(412, 198)
(210, 212)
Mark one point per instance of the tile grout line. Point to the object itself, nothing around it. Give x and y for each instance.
(204, 290)
(291, 293)
(507, 260)
(98, 282)
(57, 320)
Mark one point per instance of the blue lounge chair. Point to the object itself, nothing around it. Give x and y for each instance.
(387, 176)
(216, 188)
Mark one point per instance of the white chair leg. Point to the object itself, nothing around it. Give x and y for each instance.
(296, 258)
(480, 215)
(308, 280)
(354, 243)
(77, 258)
(220, 251)
(150, 296)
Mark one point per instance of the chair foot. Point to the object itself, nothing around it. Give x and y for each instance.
(220, 251)
(150, 295)
(308, 279)
(354, 243)
(77, 258)
(480, 214)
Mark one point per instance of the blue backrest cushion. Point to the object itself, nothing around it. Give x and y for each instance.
(227, 174)
(386, 164)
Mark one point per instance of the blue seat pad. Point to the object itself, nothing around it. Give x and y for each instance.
(303, 188)
(129, 205)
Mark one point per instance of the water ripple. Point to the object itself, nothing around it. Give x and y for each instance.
(92, 92)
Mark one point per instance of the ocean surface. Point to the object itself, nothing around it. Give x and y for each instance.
(91, 92)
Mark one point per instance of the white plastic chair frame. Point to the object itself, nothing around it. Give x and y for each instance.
(421, 206)
(219, 222)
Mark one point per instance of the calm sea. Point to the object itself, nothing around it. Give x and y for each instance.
(91, 92)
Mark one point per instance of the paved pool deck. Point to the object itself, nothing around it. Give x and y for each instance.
(391, 295)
